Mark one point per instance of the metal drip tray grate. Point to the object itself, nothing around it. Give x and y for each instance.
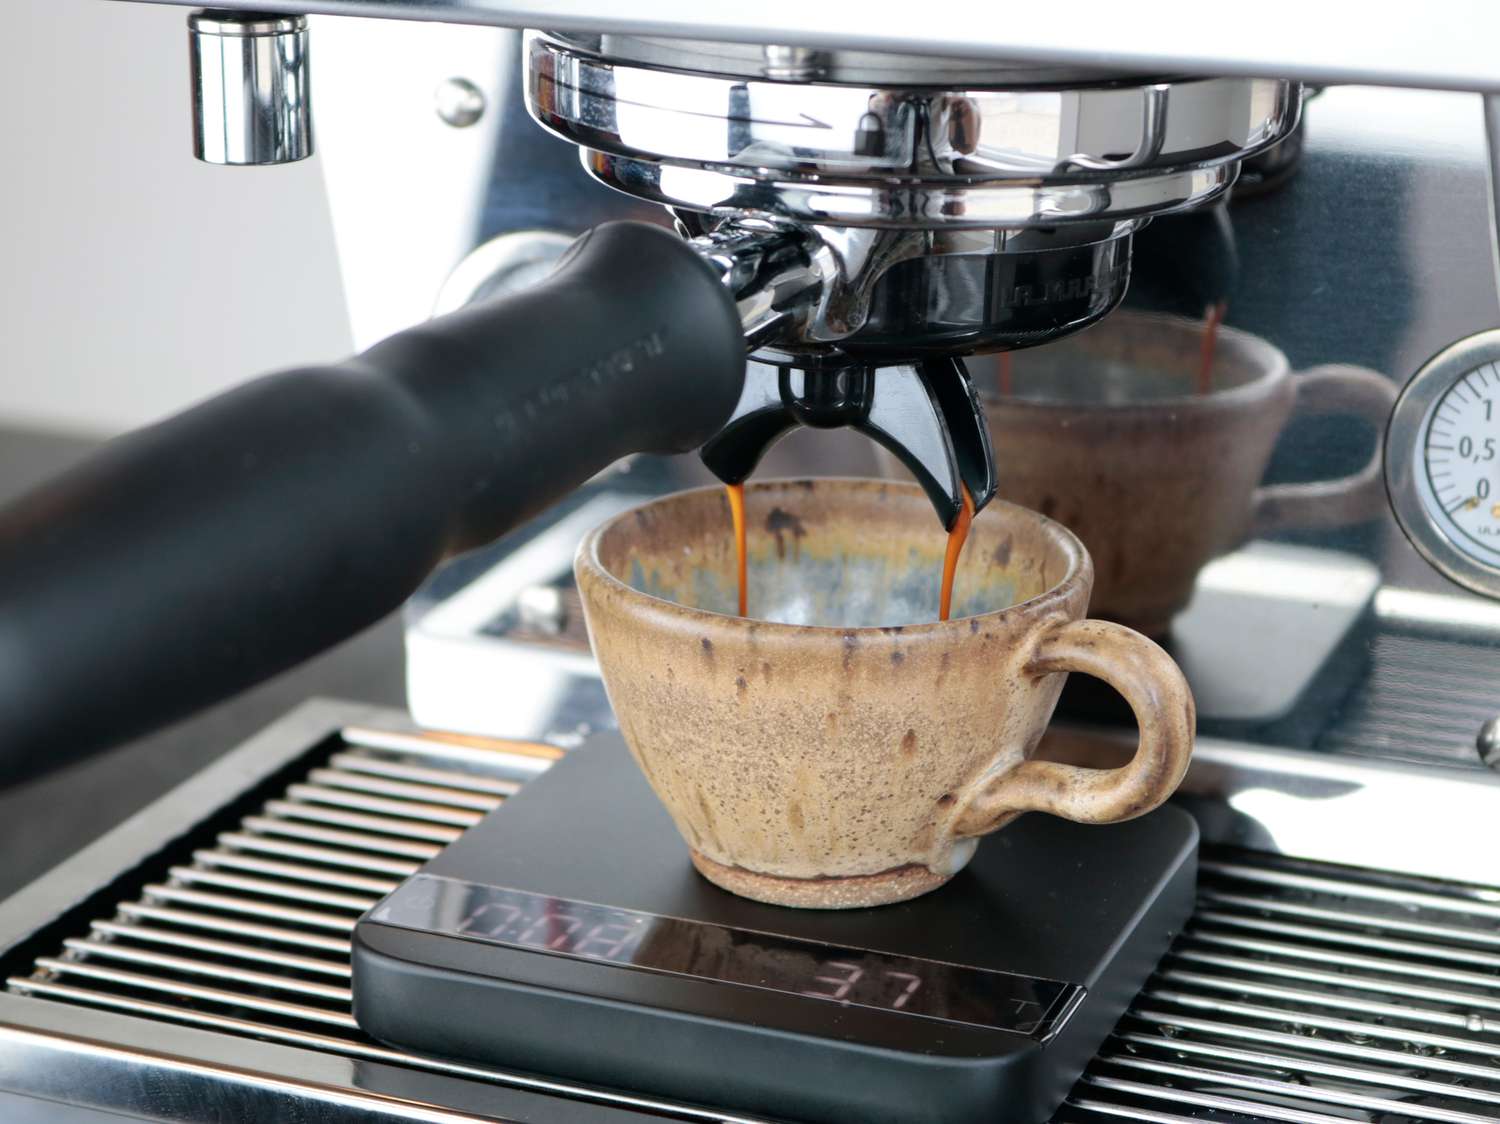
(1300, 992)
(249, 933)
(1313, 994)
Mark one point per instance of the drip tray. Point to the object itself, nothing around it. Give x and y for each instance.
(195, 962)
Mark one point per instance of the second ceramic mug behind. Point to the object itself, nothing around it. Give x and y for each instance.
(1105, 433)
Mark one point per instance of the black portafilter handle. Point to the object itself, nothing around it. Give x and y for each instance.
(193, 558)
(927, 414)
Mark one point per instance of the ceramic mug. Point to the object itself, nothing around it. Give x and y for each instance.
(840, 746)
(1104, 432)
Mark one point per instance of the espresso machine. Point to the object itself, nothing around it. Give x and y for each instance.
(848, 216)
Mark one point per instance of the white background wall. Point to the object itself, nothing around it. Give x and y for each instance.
(134, 279)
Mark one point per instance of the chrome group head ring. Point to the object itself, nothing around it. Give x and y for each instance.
(953, 153)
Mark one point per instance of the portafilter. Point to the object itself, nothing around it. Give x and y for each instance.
(856, 222)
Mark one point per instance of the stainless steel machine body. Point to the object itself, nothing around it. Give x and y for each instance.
(1342, 961)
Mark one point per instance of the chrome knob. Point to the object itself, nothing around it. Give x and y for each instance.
(250, 87)
(1488, 743)
(458, 102)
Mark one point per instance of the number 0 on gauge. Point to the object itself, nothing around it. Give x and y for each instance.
(1442, 461)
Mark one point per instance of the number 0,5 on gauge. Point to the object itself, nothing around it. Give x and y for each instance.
(1443, 462)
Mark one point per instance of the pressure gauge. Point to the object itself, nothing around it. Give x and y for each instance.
(1442, 461)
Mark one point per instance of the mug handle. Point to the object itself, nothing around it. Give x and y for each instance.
(1163, 704)
(1334, 388)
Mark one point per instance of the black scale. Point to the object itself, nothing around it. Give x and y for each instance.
(568, 934)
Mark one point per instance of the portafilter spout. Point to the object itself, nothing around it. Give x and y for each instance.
(926, 413)
(803, 291)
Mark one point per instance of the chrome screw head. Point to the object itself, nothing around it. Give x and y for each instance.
(1488, 743)
(459, 102)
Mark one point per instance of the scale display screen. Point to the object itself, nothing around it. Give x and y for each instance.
(702, 950)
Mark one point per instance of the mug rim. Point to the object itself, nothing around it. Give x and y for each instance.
(1276, 370)
(1079, 566)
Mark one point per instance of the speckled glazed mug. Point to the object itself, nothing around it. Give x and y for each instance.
(840, 747)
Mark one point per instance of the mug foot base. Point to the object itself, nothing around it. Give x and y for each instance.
(859, 891)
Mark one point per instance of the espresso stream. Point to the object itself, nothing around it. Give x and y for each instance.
(956, 539)
(957, 536)
(737, 510)
(1212, 318)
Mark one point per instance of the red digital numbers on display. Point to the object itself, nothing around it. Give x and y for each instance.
(610, 940)
(597, 934)
(490, 919)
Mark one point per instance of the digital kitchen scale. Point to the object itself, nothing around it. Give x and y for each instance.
(568, 934)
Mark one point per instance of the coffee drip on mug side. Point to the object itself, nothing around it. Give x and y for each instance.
(899, 220)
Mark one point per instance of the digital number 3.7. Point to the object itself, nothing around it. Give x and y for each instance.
(850, 974)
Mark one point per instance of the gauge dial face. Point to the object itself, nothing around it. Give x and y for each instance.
(1442, 462)
(1460, 460)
